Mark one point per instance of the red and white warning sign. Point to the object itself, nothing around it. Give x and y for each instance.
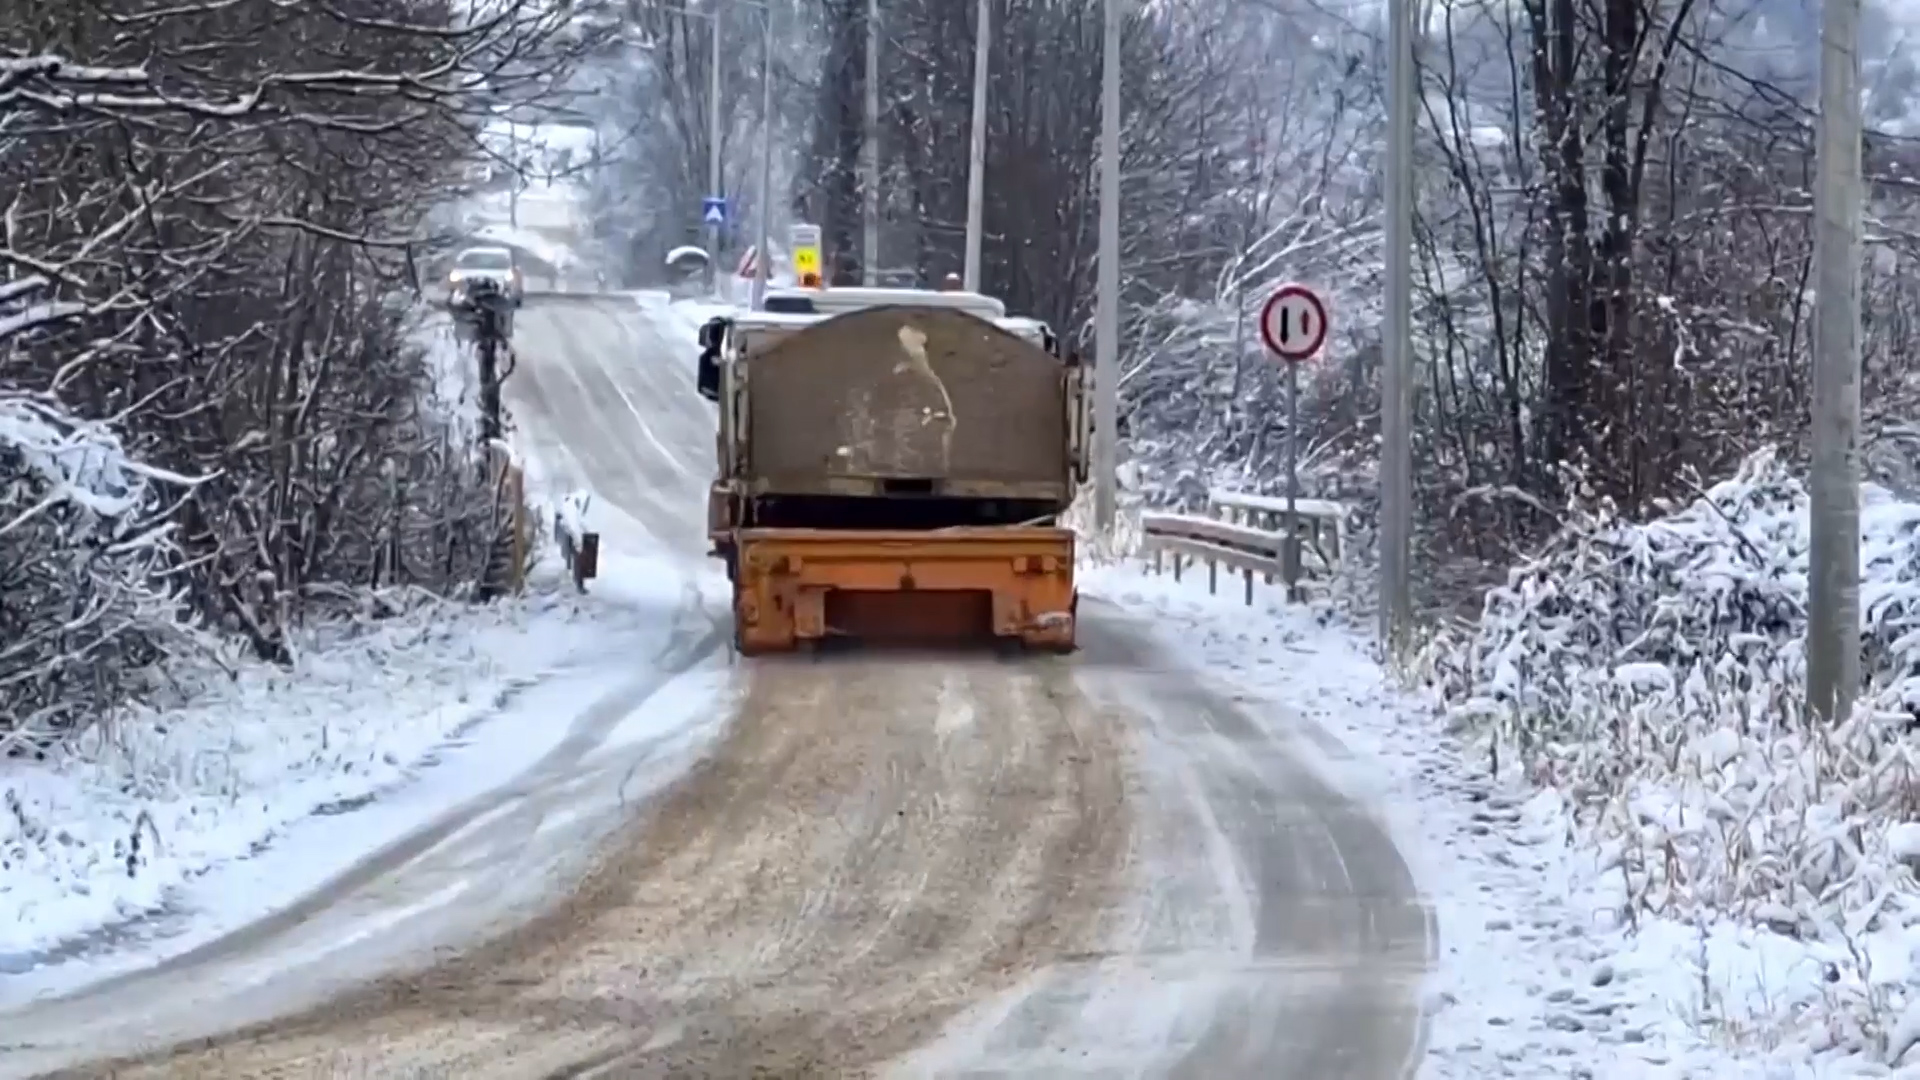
(1293, 323)
(749, 265)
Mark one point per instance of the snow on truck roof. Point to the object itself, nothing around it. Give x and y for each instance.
(1028, 329)
(837, 300)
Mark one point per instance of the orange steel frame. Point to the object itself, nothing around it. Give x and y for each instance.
(784, 580)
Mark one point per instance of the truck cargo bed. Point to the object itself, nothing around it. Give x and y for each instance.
(899, 400)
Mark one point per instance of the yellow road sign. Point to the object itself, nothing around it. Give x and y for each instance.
(804, 239)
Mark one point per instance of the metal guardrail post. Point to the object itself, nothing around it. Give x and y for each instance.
(1248, 535)
(1290, 557)
(1266, 522)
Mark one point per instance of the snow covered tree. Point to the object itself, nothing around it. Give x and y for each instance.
(653, 110)
(210, 212)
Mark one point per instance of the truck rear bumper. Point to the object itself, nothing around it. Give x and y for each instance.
(793, 586)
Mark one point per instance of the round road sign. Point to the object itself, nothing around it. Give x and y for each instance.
(1294, 323)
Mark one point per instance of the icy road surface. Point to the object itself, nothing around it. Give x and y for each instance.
(890, 865)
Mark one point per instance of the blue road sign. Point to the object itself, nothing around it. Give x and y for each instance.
(713, 211)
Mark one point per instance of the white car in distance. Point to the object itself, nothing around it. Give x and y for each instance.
(495, 263)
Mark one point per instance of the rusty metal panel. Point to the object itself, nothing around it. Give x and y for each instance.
(901, 393)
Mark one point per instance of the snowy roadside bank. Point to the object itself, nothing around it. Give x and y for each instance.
(108, 842)
(1532, 979)
(1649, 678)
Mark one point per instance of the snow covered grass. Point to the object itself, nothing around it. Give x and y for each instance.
(110, 827)
(1649, 679)
(1539, 973)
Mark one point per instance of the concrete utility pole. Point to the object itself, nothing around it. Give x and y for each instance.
(1833, 571)
(762, 256)
(977, 149)
(1396, 376)
(713, 148)
(513, 159)
(870, 157)
(1106, 361)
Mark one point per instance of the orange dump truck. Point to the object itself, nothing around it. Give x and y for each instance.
(892, 467)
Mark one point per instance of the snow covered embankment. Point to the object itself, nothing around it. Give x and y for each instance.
(1651, 677)
(100, 838)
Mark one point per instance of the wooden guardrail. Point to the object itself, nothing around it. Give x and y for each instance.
(1249, 533)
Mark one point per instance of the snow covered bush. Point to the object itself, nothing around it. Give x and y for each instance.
(85, 551)
(1654, 674)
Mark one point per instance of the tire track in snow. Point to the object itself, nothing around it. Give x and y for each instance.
(814, 899)
(1273, 928)
(556, 342)
(592, 361)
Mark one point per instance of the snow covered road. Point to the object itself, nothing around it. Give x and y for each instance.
(606, 397)
(1099, 865)
(837, 879)
(1271, 928)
